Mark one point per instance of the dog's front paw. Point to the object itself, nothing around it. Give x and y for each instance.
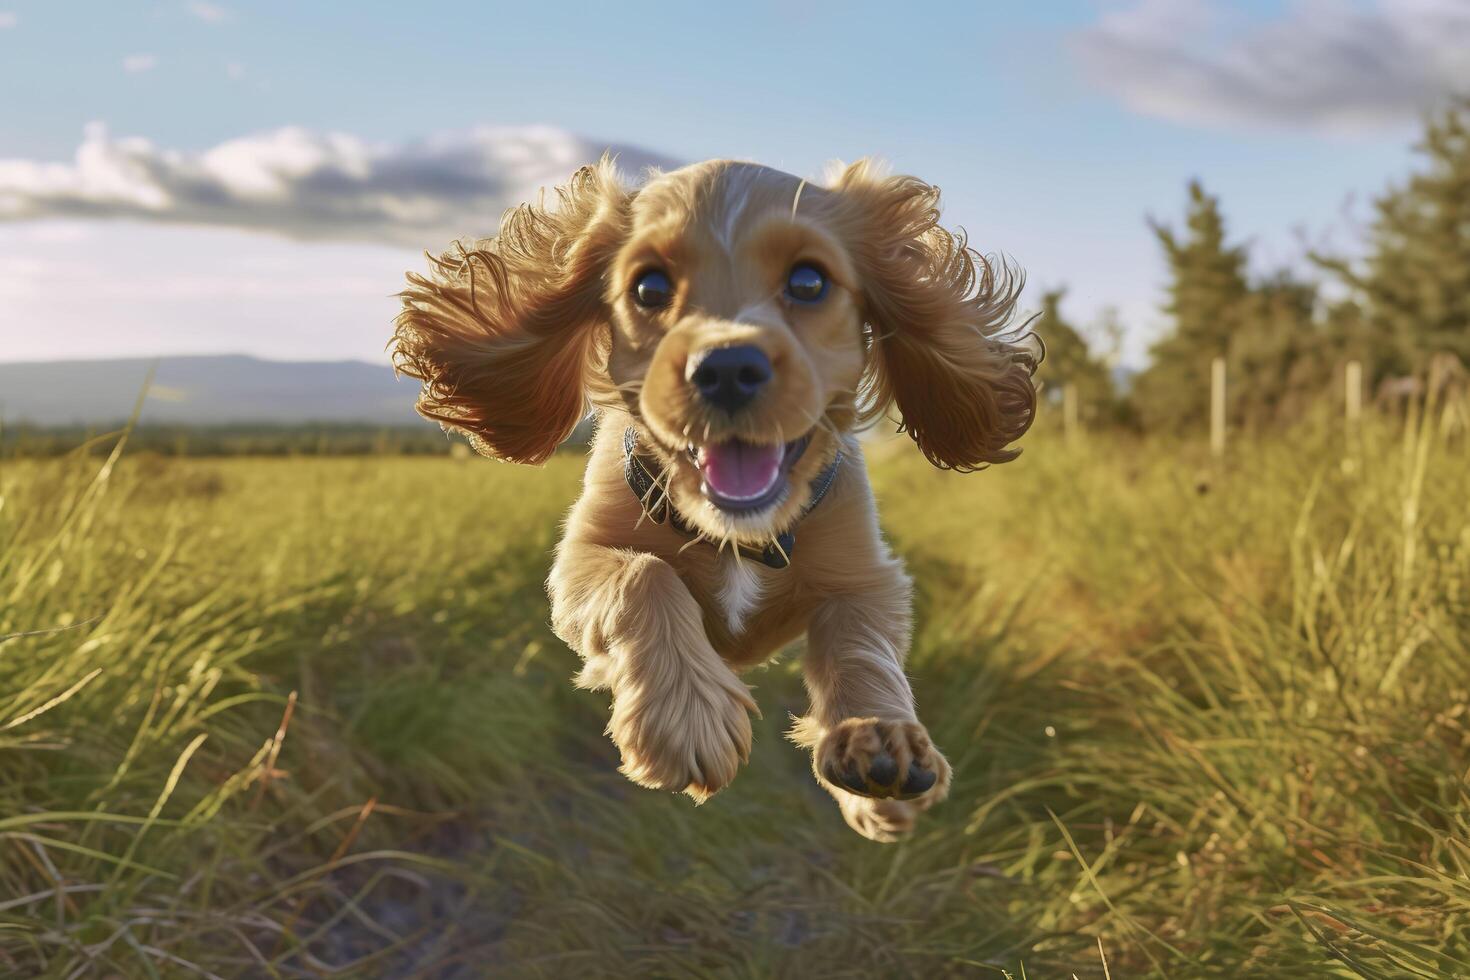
(687, 734)
(886, 760)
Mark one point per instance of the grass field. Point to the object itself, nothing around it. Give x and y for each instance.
(306, 716)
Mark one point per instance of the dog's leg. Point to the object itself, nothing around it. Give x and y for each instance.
(679, 714)
(869, 749)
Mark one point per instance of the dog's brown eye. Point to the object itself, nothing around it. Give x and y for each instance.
(806, 284)
(653, 289)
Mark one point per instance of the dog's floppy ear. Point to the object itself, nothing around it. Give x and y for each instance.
(937, 313)
(503, 334)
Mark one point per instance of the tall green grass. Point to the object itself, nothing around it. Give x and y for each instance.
(296, 717)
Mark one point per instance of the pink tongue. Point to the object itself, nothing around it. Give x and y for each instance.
(739, 470)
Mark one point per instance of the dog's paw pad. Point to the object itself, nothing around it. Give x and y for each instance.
(881, 759)
(848, 778)
(882, 769)
(918, 782)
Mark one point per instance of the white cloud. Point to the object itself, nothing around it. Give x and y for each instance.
(119, 289)
(1328, 65)
(134, 64)
(209, 12)
(235, 70)
(19, 276)
(8, 19)
(306, 184)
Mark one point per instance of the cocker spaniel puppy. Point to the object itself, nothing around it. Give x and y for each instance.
(732, 326)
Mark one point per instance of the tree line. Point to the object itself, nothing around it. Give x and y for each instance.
(1286, 336)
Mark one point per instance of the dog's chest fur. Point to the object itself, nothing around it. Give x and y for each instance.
(740, 587)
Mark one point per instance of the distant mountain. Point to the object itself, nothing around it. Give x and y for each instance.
(205, 390)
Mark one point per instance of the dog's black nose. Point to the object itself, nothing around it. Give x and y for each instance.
(729, 377)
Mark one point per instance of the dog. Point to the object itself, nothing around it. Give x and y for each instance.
(733, 328)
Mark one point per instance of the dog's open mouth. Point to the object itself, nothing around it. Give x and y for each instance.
(741, 477)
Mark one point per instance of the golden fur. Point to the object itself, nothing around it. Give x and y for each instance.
(517, 336)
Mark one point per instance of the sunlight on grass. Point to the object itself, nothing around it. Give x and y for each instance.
(1211, 715)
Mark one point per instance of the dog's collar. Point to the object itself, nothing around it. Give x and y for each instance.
(642, 475)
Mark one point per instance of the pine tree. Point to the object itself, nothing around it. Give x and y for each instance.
(1070, 360)
(1415, 283)
(1206, 294)
(1278, 361)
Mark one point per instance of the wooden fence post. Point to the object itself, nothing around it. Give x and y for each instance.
(1353, 393)
(1069, 411)
(1217, 407)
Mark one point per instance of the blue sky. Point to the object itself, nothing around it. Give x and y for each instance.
(162, 171)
